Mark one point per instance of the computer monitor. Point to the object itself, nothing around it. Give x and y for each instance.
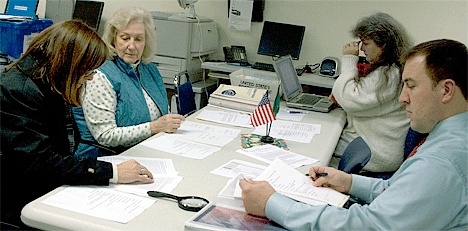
(89, 12)
(280, 39)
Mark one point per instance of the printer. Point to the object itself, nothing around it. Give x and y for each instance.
(181, 42)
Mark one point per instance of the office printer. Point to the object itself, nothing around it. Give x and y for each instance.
(180, 41)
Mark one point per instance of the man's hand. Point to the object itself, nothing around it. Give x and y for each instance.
(336, 179)
(255, 195)
(131, 171)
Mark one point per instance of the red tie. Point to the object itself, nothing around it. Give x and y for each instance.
(415, 149)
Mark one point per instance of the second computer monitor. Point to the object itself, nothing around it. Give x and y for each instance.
(280, 39)
(89, 12)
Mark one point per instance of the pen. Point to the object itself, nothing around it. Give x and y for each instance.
(297, 112)
(318, 174)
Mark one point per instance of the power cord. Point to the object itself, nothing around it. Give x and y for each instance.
(308, 68)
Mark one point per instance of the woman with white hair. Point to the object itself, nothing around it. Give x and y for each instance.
(126, 102)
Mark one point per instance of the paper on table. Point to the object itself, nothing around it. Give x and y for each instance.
(207, 134)
(181, 147)
(157, 166)
(226, 117)
(234, 167)
(294, 131)
(283, 114)
(290, 182)
(268, 153)
(194, 140)
(163, 170)
(101, 202)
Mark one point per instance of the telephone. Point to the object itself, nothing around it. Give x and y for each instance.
(235, 54)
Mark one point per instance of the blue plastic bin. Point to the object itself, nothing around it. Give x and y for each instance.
(12, 38)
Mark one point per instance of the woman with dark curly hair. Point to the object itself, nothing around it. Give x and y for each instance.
(371, 99)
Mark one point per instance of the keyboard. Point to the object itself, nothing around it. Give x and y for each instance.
(263, 66)
(308, 99)
(269, 67)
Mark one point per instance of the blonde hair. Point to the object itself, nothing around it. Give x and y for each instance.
(120, 20)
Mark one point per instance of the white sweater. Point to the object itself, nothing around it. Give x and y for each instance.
(383, 125)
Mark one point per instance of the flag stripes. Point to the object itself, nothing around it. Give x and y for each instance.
(263, 113)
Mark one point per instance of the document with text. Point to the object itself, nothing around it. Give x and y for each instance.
(226, 117)
(288, 130)
(101, 202)
(268, 153)
(194, 140)
(164, 174)
(235, 167)
(290, 182)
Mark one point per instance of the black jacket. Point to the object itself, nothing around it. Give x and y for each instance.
(35, 150)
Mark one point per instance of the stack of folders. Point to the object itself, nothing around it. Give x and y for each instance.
(238, 98)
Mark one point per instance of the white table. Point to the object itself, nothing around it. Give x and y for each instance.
(165, 214)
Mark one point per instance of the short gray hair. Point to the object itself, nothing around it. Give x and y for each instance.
(120, 20)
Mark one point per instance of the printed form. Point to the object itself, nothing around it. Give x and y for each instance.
(194, 140)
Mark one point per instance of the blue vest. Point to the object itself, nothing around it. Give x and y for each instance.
(131, 108)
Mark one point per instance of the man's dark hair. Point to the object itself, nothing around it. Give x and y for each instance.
(445, 59)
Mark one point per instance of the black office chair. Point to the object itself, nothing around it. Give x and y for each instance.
(412, 139)
(355, 156)
(184, 95)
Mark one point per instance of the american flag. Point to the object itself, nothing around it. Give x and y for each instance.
(263, 113)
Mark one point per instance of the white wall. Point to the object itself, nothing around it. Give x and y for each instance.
(327, 22)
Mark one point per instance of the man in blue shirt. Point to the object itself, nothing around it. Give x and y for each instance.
(429, 190)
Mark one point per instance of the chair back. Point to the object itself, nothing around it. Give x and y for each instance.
(355, 156)
(184, 95)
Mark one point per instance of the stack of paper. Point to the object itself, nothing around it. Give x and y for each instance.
(237, 98)
(290, 182)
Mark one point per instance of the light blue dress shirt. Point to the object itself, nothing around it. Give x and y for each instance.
(428, 192)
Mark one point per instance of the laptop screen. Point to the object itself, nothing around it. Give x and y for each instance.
(286, 71)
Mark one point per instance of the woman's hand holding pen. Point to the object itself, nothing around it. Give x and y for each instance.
(334, 178)
(168, 123)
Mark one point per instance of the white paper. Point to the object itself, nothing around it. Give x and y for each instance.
(268, 153)
(100, 202)
(240, 15)
(235, 167)
(294, 131)
(181, 147)
(288, 181)
(194, 140)
(226, 117)
(163, 170)
(207, 134)
(284, 114)
(157, 166)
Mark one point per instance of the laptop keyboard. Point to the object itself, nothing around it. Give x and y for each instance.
(308, 99)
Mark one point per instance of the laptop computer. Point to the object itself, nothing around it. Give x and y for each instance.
(292, 89)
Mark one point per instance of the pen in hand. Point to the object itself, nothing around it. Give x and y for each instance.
(318, 174)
